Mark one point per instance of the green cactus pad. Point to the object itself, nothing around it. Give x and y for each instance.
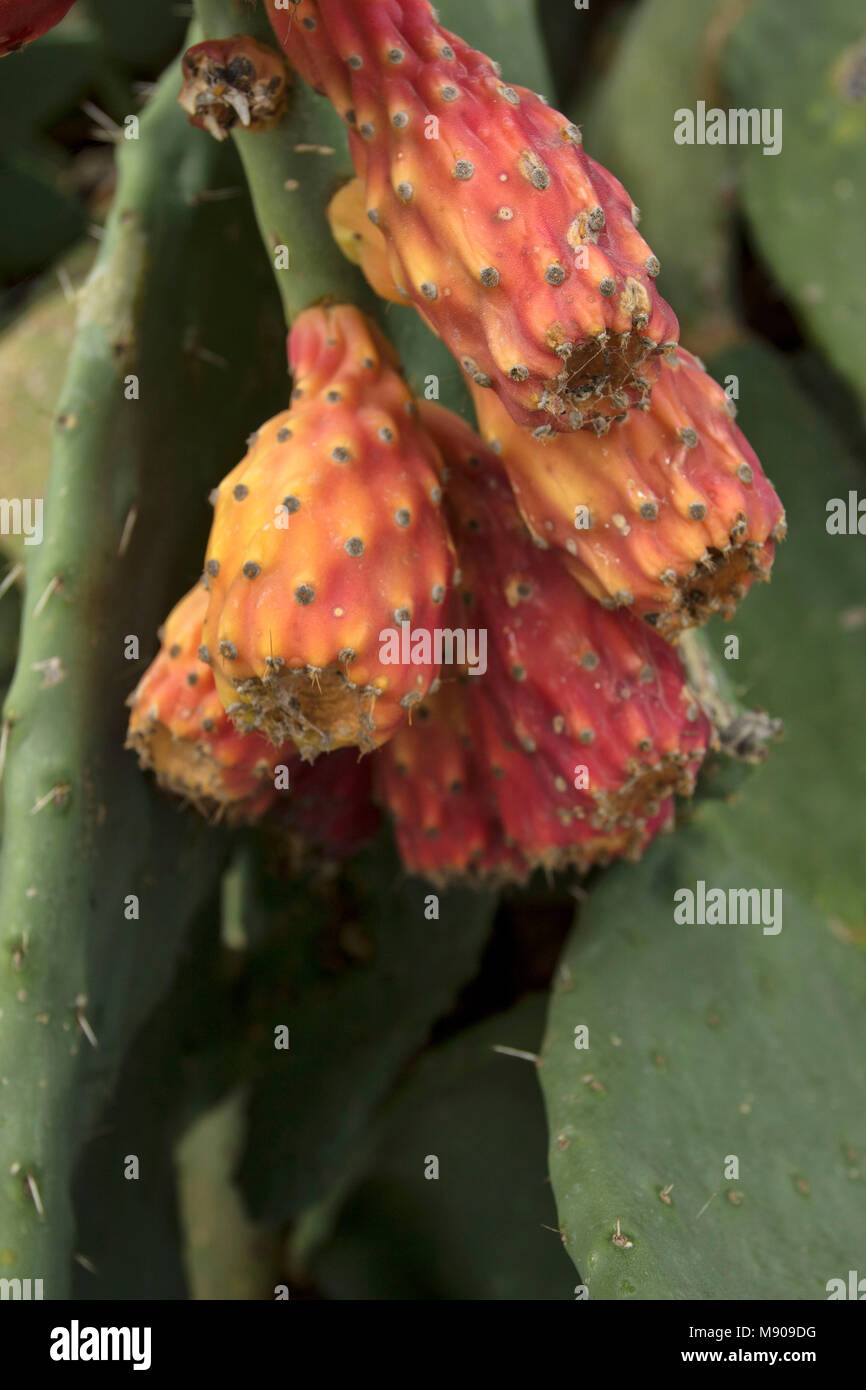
(807, 205)
(667, 60)
(706, 1043)
(485, 1228)
(358, 1006)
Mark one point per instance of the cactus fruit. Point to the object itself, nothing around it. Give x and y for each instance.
(549, 800)
(469, 804)
(330, 807)
(435, 787)
(670, 513)
(361, 242)
(179, 729)
(226, 81)
(22, 21)
(597, 699)
(326, 537)
(517, 249)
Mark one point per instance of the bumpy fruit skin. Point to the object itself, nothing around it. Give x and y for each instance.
(670, 514)
(549, 827)
(22, 21)
(226, 81)
(179, 729)
(436, 790)
(470, 805)
(518, 249)
(326, 537)
(597, 700)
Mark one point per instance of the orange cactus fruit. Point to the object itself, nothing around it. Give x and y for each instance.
(360, 242)
(327, 538)
(180, 730)
(517, 249)
(670, 514)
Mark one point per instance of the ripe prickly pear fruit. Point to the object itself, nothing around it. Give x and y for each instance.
(596, 698)
(544, 812)
(327, 537)
(22, 21)
(517, 249)
(670, 514)
(435, 787)
(226, 81)
(469, 804)
(361, 242)
(179, 729)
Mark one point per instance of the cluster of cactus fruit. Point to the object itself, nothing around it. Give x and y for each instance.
(608, 503)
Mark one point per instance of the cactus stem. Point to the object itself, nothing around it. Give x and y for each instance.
(275, 162)
(104, 461)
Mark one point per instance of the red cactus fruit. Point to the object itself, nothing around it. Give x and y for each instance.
(469, 804)
(435, 787)
(326, 538)
(226, 81)
(551, 820)
(179, 729)
(518, 249)
(596, 698)
(670, 514)
(22, 21)
(331, 805)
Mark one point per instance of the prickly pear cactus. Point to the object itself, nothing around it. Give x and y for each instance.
(84, 843)
(441, 767)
